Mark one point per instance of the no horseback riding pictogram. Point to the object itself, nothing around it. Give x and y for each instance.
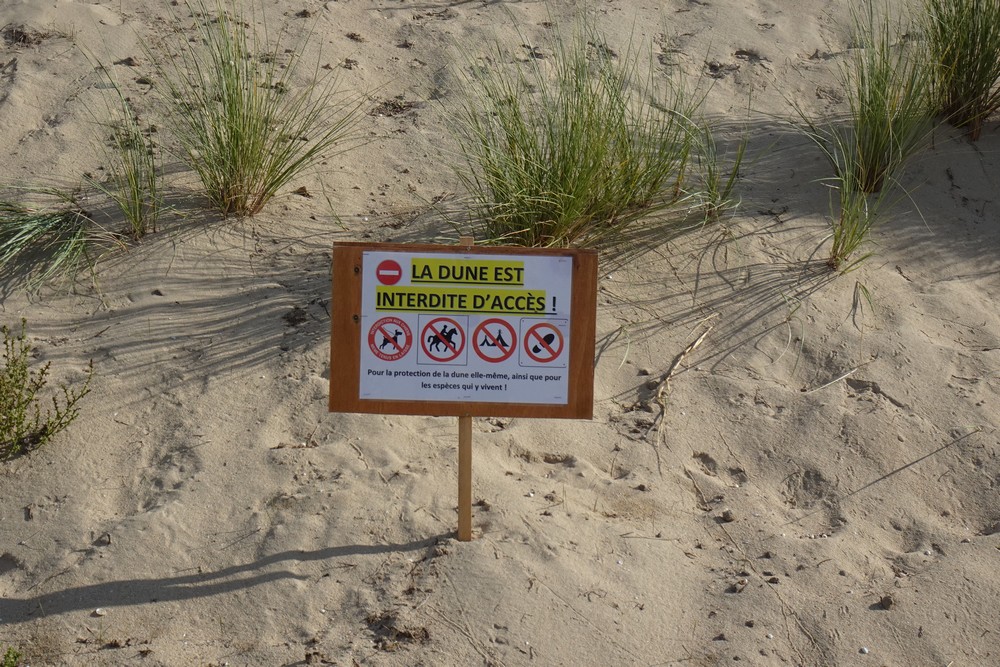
(390, 338)
(442, 339)
(494, 340)
(543, 343)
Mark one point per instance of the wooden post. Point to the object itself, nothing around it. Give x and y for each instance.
(465, 478)
(465, 459)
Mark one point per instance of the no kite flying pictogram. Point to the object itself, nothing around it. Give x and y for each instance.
(543, 343)
(388, 272)
(442, 339)
(494, 340)
(390, 339)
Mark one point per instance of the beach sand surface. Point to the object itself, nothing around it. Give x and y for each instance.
(820, 486)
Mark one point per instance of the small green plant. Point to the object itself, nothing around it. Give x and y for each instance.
(862, 295)
(244, 123)
(888, 86)
(888, 83)
(575, 155)
(717, 183)
(963, 38)
(853, 218)
(11, 657)
(48, 234)
(23, 425)
(132, 181)
(793, 306)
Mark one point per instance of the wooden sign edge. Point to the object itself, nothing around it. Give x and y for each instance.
(345, 337)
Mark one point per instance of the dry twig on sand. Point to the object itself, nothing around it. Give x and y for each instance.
(663, 390)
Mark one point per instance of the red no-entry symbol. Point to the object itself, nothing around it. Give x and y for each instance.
(494, 340)
(442, 339)
(543, 343)
(388, 272)
(390, 339)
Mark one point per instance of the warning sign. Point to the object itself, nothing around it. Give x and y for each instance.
(494, 340)
(463, 328)
(512, 311)
(389, 339)
(442, 340)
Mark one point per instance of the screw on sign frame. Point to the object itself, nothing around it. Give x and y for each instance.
(389, 340)
(494, 342)
(442, 340)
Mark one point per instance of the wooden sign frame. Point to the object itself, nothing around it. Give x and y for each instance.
(346, 337)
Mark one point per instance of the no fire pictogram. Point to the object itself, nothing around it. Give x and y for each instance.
(494, 340)
(442, 339)
(390, 338)
(543, 343)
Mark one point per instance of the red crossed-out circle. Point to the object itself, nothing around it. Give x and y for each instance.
(483, 339)
(445, 348)
(548, 350)
(388, 272)
(384, 339)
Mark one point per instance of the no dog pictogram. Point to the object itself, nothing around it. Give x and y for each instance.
(543, 343)
(390, 338)
(494, 340)
(442, 339)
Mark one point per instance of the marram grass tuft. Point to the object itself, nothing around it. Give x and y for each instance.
(576, 148)
(963, 38)
(246, 124)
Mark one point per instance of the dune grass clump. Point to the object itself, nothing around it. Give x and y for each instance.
(717, 182)
(573, 149)
(45, 230)
(23, 425)
(245, 124)
(856, 213)
(132, 181)
(963, 38)
(888, 83)
(45, 233)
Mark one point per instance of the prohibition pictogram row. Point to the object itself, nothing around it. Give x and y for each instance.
(445, 340)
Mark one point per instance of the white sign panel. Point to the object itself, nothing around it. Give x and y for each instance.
(465, 327)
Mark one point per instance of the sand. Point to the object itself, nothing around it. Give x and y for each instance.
(824, 490)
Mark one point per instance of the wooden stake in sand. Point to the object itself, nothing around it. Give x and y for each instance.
(465, 478)
(465, 458)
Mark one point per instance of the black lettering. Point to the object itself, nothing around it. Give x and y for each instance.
(462, 273)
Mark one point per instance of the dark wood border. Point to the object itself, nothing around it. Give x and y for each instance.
(345, 338)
